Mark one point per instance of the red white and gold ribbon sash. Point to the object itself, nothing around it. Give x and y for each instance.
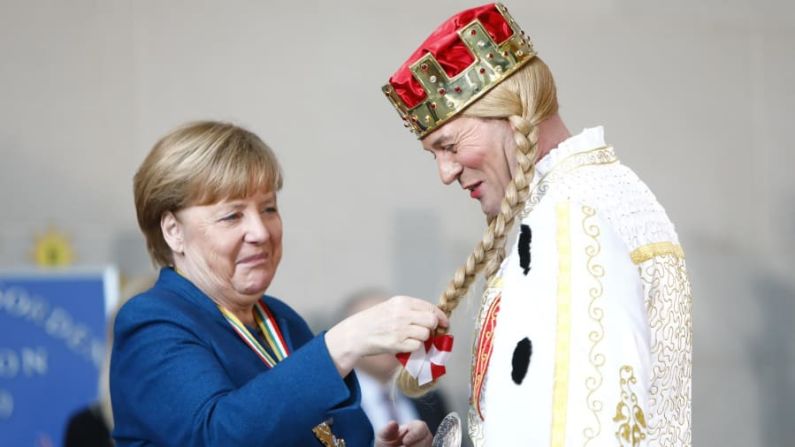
(270, 331)
(427, 363)
(483, 352)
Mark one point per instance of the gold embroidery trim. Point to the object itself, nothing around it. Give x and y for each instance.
(598, 156)
(669, 305)
(646, 252)
(629, 415)
(560, 389)
(596, 313)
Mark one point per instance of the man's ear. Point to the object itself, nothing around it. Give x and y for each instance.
(172, 232)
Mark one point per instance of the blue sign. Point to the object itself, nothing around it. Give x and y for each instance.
(52, 346)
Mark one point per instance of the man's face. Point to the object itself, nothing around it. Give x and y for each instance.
(477, 153)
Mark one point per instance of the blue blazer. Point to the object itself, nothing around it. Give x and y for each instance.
(180, 376)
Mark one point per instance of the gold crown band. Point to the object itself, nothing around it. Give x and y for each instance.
(447, 96)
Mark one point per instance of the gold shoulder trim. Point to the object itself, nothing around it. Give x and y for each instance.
(646, 252)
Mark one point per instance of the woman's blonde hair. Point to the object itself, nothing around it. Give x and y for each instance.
(197, 164)
(525, 99)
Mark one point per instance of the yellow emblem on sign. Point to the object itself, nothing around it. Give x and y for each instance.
(53, 249)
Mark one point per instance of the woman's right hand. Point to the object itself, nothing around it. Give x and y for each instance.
(400, 324)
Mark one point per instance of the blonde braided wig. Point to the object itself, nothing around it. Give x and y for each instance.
(525, 99)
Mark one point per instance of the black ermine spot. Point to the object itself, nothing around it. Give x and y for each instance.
(521, 360)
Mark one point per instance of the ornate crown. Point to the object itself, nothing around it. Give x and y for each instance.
(465, 57)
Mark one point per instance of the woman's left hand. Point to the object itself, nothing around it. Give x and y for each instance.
(413, 434)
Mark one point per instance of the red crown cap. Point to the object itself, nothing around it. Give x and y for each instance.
(448, 49)
(461, 60)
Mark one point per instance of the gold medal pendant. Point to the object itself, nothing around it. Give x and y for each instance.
(323, 433)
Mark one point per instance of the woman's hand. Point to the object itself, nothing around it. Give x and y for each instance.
(413, 434)
(400, 324)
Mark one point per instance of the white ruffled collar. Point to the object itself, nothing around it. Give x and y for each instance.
(590, 138)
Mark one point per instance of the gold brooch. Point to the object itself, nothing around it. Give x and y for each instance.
(323, 433)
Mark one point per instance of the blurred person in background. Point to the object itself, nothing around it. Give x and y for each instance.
(92, 426)
(381, 401)
(584, 331)
(204, 358)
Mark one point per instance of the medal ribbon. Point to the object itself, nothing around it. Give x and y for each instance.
(270, 331)
(273, 336)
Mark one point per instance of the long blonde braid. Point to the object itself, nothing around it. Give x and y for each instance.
(525, 99)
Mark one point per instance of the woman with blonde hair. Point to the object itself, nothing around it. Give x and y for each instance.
(204, 357)
(583, 335)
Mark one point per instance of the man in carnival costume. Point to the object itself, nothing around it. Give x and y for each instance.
(584, 332)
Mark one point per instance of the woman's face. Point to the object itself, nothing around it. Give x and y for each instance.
(229, 249)
(479, 154)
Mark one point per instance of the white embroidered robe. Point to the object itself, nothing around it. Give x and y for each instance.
(604, 306)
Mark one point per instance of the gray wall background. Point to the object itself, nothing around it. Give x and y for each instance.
(697, 97)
